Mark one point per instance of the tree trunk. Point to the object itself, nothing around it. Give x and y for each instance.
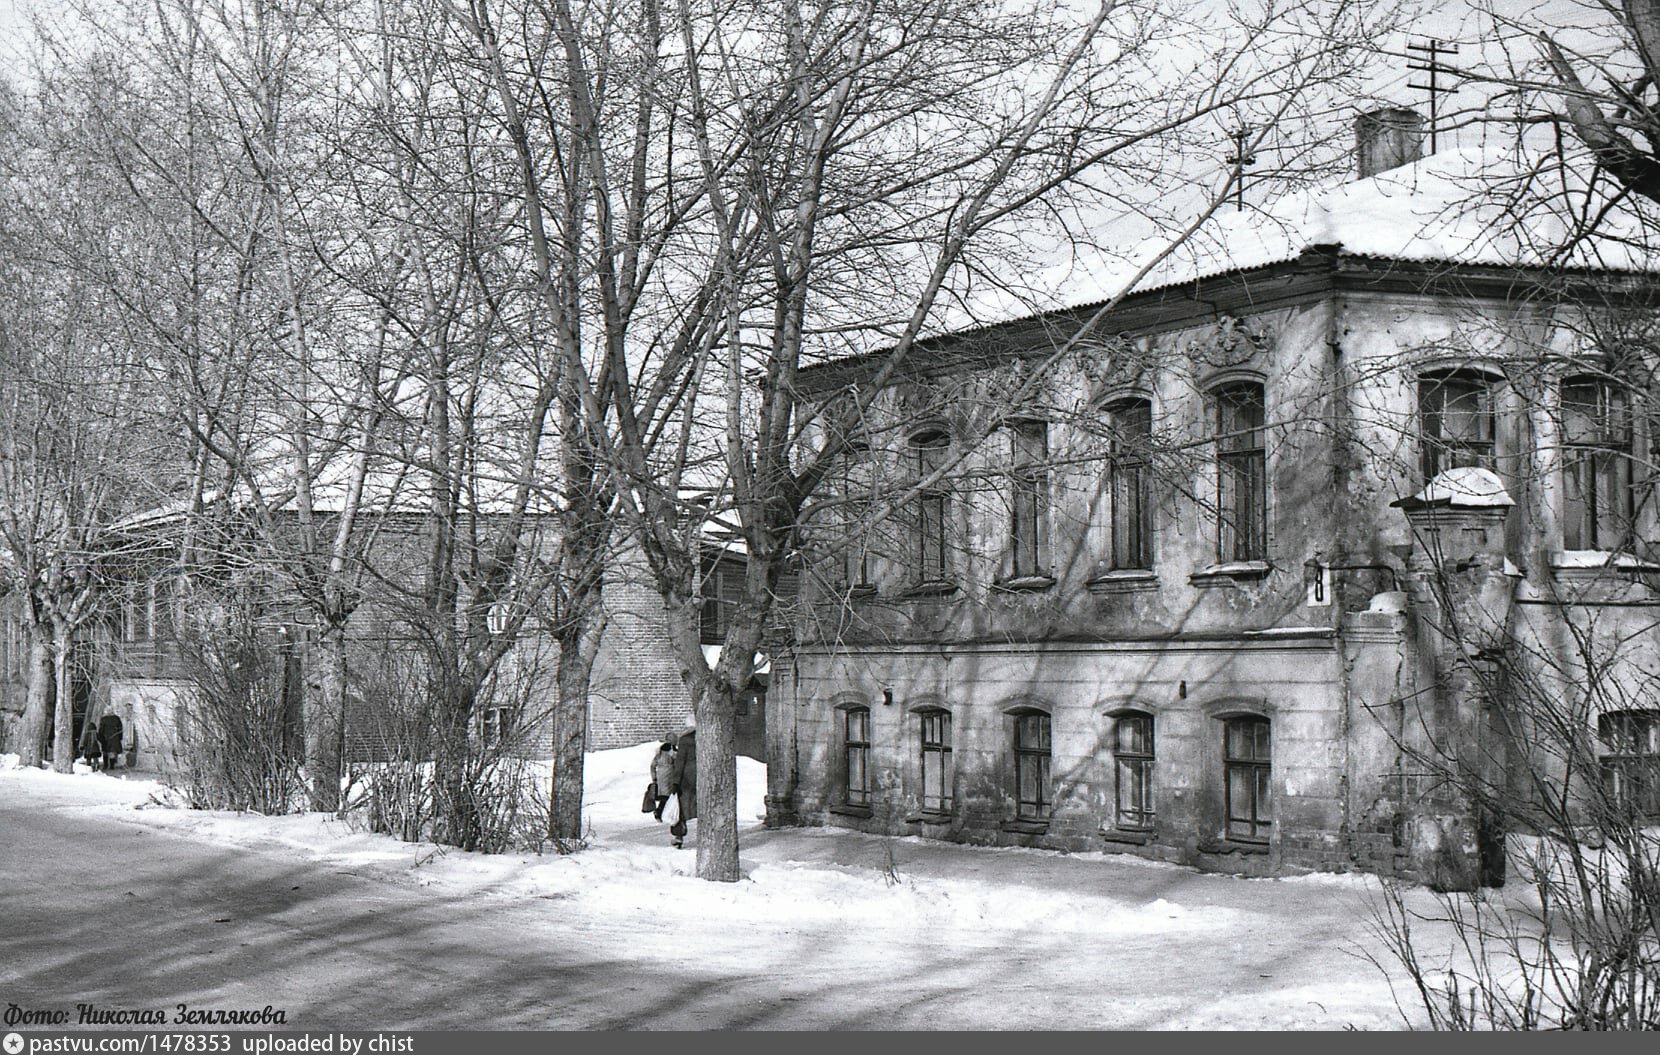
(717, 784)
(577, 650)
(457, 811)
(63, 724)
(325, 708)
(37, 708)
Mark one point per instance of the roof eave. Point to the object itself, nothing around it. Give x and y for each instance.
(1318, 271)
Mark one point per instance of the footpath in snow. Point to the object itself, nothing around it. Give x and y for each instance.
(1106, 939)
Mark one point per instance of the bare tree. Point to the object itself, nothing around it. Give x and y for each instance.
(1547, 637)
(226, 274)
(1584, 73)
(81, 445)
(810, 183)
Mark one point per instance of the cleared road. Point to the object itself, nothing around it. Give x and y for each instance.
(124, 916)
(95, 911)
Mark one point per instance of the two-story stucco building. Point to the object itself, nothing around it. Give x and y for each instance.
(1225, 578)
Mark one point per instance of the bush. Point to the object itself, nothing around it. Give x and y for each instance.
(243, 746)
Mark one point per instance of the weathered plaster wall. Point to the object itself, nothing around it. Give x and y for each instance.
(1369, 682)
(1187, 687)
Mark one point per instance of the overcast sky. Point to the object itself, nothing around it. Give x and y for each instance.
(9, 27)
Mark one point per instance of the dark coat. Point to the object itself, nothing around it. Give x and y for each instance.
(109, 733)
(685, 774)
(108, 740)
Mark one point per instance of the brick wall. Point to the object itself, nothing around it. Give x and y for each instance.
(636, 692)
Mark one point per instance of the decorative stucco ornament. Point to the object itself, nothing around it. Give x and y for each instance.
(1227, 342)
(1109, 364)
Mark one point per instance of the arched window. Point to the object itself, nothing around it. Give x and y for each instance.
(1132, 522)
(1133, 769)
(1242, 485)
(1247, 765)
(935, 729)
(1455, 420)
(1596, 465)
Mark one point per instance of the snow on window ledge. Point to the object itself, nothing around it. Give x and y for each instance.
(1123, 580)
(1230, 571)
(1024, 584)
(932, 588)
(1231, 846)
(1292, 631)
(1127, 836)
(1598, 560)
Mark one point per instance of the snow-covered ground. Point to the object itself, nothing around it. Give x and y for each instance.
(1106, 939)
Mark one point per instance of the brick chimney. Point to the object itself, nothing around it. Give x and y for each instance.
(1388, 138)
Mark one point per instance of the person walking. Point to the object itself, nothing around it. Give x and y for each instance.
(662, 776)
(684, 779)
(109, 740)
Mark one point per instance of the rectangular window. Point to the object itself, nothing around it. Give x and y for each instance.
(1133, 753)
(1132, 526)
(1596, 466)
(138, 606)
(1029, 485)
(1242, 493)
(1031, 766)
(165, 609)
(494, 726)
(1246, 771)
(723, 588)
(1631, 761)
(856, 495)
(936, 761)
(933, 509)
(1455, 413)
(856, 740)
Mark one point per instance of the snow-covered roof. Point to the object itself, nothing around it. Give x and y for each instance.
(1468, 207)
(1471, 206)
(1465, 487)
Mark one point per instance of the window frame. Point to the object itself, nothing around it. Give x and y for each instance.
(857, 796)
(1437, 452)
(939, 746)
(1028, 498)
(932, 550)
(1131, 530)
(722, 587)
(1137, 762)
(1629, 754)
(1241, 470)
(495, 724)
(1592, 520)
(1026, 757)
(856, 562)
(1256, 825)
(499, 618)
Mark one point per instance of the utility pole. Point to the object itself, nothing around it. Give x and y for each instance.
(1432, 65)
(1240, 160)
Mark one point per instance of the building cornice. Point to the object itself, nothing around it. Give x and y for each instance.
(1318, 273)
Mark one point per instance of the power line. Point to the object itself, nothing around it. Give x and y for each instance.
(1433, 51)
(1240, 159)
